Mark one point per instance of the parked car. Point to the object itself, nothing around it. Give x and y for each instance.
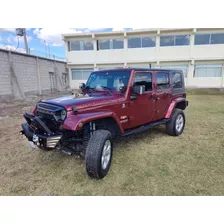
(112, 103)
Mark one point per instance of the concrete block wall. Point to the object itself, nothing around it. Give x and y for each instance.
(21, 74)
(5, 81)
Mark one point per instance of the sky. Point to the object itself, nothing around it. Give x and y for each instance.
(44, 41)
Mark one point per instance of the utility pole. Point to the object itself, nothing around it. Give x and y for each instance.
(25, 41)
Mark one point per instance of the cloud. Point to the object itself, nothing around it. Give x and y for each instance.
(12, 48)
(54, 35)
(0, 38)
(14, 39)
(118, 29)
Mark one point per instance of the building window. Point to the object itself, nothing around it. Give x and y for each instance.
(145, 79)
(118, 44)
(134, 42)
(179, 40)
(141, 42)
(182, 40)
(208, 70)
(201, 39)
(104, 44)
(81, 73)
(75, 46)
(217, 38)
(162, 80)
(183, 68)
(148, 42)
(87, 45)
(81, 45)
(166, 41)
(111, 44)
(213, 38)
(177, 80)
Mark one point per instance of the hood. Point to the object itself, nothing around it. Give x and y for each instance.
(83, 101)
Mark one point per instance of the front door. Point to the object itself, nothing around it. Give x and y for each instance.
(142, 109)
(163, 94)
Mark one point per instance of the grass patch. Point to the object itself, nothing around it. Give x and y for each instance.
(151, 163)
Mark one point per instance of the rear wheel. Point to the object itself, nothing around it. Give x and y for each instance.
(99, 154)
(175, 126)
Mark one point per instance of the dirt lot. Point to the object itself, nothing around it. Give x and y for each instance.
(152, 163)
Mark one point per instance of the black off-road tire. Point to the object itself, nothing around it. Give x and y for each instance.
(94, 153)
(171, 124)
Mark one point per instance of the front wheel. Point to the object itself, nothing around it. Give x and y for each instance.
(175, 126)
(99, 154)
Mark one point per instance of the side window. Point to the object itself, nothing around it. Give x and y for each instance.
(143, 78)
(162, 80)
(177, 80)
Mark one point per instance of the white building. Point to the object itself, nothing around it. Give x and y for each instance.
(198, 52)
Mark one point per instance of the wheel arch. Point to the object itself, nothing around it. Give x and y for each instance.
(77, 122)
(179, 103)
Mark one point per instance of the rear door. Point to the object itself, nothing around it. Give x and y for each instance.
(163, 93)
(142, 109)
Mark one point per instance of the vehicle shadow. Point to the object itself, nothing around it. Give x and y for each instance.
(154, 133)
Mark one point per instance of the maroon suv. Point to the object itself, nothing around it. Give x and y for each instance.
(112, 103)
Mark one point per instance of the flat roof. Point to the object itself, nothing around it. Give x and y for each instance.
(123, 32)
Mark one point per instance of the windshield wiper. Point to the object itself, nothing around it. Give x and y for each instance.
(107, 88)
(90, 88)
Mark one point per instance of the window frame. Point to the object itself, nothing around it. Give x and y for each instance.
(206, 66)
(174, 42)
(210, 38)
(111, 44)
(150, 72)
(169, 84)
(82, 69)
(181, 77)
(81, 45)
(141, 40)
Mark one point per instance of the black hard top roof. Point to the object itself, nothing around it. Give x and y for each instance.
(139, 69)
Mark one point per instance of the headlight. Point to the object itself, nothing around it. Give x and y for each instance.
(63, 114)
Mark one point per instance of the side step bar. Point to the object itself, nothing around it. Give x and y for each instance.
(145, 127)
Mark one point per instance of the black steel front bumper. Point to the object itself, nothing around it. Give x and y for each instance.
(46, 140)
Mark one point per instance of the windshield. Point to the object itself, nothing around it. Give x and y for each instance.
(113, 80)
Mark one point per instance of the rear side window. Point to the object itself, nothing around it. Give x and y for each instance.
(162, 80)
(143, 78)
(177, 80)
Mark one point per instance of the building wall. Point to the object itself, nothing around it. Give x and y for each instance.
(159, 56)
(21, 74)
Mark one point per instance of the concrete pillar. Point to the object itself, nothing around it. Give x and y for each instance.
(190, 72)
(157, 44)
(222, 80)
(17, 89)
(38, 76)
(192, 43)
(59, 85)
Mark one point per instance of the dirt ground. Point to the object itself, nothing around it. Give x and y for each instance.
(151, 163)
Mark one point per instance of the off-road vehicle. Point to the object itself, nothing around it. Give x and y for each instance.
(112, 103)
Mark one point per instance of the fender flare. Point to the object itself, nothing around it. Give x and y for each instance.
(75, 122)
(173, 105)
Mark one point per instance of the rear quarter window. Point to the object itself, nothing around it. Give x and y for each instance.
(177, 80)
(162, 80)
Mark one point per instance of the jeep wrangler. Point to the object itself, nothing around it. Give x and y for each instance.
(117, 102)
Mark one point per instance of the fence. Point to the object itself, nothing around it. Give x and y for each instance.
(21, 74)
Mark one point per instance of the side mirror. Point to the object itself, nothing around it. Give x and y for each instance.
(82, 85)
(139, 89)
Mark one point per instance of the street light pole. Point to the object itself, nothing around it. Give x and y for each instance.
(25, 41)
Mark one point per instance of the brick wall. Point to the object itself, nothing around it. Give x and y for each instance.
(21, 74)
